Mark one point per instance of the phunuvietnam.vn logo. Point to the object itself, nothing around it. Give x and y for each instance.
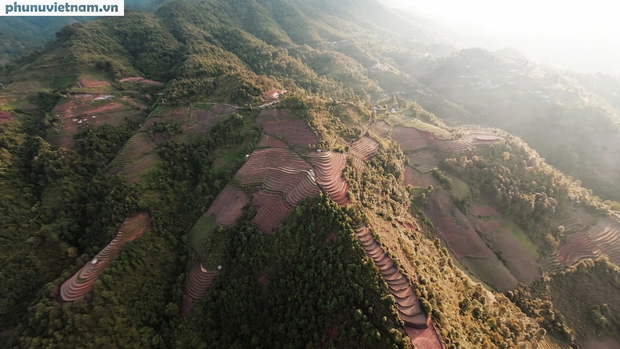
(60, 8)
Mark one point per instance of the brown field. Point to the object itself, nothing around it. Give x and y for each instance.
(411, 177)
(518, 260)
(179, 115)
(483, 211)
(492, 271)
(203, 120)
(286, 126)
(415, 144)
(5, 117)
(267, 141)
(607, 343)
(227, 206)
(82, 282)
(454, 227)
(93, 83)
(223, 109)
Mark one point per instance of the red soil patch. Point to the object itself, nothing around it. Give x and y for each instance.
(329, 167)
(93, 83)
(294, 185)
(454, 227)
(5, 117)
(82, 282)
(141, 80)
(484, 211)
(223, 109)
(286, 126)
(270, 142)
(196, 287)
(424, 338)
(262, 280)
(227, 206)
(203, 120)
(364, 148)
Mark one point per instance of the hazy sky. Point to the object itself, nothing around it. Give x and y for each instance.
(584, 31)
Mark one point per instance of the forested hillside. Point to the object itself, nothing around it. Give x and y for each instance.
(286, 174)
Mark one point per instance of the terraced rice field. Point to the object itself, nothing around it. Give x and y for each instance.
(407, 302)
(423, 161)
(359, 164)
(258, 165)
(282, 124)
(454, 146)
(286, 179)
(267, 141)
(196, 287)
(82, 282)
(364, 148)
(601, 239)
(271, 208)
(329, 167)
(227, 206)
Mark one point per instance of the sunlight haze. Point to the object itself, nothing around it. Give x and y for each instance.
(572, 34)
